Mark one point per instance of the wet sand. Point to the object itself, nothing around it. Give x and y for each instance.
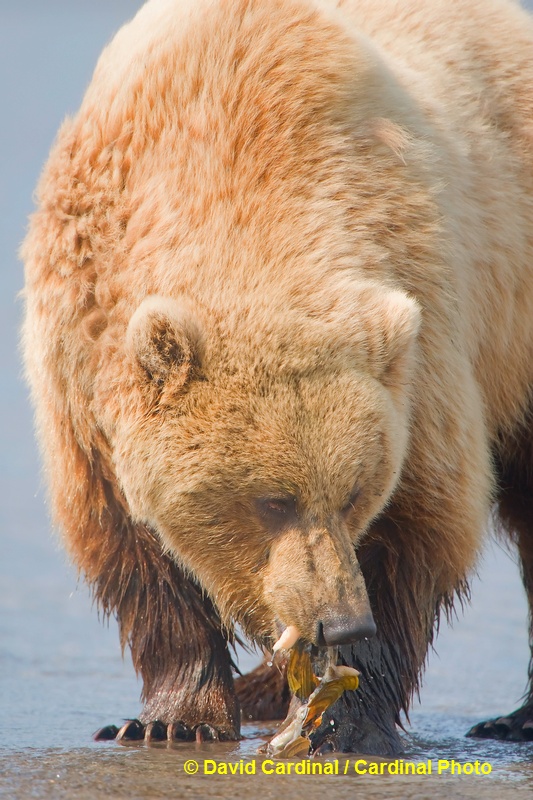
(140, 772)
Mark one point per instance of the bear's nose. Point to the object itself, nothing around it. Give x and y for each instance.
(344, 628)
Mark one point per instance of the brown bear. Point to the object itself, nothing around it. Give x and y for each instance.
(279, 335)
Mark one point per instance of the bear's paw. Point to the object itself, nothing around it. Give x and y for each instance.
(134, 731)
(515, 727)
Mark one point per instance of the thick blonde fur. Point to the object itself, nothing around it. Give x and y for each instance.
(285, 248)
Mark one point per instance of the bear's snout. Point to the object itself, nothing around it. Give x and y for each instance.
(342, 628)
(314, 582)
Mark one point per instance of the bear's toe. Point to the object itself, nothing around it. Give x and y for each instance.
(131, 731)
(206, 733)
(179, 732)
(156, 732)
(105, 734)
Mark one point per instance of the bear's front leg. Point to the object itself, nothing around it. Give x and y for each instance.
(187, 699)
(177, 646)
(365, 720)
(194, 696)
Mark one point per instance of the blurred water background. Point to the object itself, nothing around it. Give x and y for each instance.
(61, 671)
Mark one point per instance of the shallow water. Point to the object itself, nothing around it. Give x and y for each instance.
(61, 672)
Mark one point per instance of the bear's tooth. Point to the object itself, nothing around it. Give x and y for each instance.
(290, 636)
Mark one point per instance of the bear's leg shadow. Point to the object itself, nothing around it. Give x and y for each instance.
(264, 692)
(175, 637)
(515, 518)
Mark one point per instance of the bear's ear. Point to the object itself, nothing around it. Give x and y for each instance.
(392, 321)
(165, 339)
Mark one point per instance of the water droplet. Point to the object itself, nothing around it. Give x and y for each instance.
(269, 663)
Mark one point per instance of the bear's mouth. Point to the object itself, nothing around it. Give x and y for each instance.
(333, 630)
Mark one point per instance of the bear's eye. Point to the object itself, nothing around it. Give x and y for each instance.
(352, 500)
(277, 510)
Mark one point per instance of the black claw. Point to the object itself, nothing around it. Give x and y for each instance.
(503, 722)
(179, 732)
(206, 733)
(105, 734)
(527, 731)
(502, 727)
(155, 732)
(132, 731)
(483, 730)
(491, 731)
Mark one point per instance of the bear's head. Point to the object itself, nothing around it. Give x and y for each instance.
(260, 444)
